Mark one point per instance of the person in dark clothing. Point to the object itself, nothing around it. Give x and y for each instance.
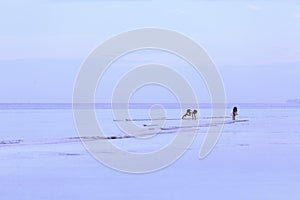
(234, 113)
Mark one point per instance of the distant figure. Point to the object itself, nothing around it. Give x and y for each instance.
(188, 113)
(194, 114)
(234, 113)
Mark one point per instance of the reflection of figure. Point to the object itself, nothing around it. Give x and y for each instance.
(188, 113)
(234, 113)
(194, 114)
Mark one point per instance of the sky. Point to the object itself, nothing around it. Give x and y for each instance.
(255, 46)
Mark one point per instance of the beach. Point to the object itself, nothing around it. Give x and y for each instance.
(93, 96)
(42, 158)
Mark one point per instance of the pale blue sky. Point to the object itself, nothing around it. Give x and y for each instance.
(255, 44)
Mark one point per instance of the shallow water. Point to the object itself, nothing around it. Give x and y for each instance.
(43, 158)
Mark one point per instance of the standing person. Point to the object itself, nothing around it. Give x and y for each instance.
(194, 114)
(234, 113)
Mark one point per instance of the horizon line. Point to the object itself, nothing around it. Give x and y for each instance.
(102, 105)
